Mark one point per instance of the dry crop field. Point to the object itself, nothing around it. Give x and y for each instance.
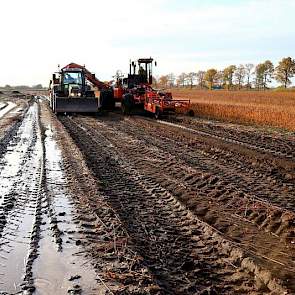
(272, 108)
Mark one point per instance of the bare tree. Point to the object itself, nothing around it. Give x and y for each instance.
(240, 75)
(201, 78)
(155, 82)
(249, 72)
(219, 79)
(181, 80)
(191, 77)
(163, 81)
(171, 80)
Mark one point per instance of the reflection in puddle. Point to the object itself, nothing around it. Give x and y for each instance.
(12, 162)
(56, 263)
(19, 190)
(7, 108)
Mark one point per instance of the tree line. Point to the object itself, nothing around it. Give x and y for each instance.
(22, 87)
(245, 76)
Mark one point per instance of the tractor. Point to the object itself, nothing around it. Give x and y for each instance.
(71, 91)
(135, 92)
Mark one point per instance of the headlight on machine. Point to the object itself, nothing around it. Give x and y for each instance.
(75, 94)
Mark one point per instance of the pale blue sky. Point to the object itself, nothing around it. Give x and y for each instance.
(183, 36)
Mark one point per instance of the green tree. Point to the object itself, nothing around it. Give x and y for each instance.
(264, 74)
(259, 75)
(228, 74)
(268, 74)
(285, 71)
(210, 77)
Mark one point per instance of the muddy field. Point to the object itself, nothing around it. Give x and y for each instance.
(129, 205)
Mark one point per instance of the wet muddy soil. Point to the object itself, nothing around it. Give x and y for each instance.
(129, 205)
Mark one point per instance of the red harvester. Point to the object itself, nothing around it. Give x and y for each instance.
(136, 92)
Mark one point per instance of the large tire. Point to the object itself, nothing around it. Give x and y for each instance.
(53, 104)
(127, 104)
(107, 100)
(158, 114)
(191, 113)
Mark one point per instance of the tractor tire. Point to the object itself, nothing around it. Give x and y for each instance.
(53, 104)
(158, 114)
(127, 104)
(191, 113)
(107, 100)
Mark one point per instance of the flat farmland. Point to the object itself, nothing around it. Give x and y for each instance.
(113, 204)
(270, 108)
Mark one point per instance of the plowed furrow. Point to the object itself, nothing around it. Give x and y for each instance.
(275, 144)
(182, 252)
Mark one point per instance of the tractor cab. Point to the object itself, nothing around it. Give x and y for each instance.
(139, 78)
(140, 72)
(73, 83)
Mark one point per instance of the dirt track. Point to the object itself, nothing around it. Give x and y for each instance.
(114, 205)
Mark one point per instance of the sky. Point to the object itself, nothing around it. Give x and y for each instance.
(183, 36)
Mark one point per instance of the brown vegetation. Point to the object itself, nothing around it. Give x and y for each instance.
(267, 108)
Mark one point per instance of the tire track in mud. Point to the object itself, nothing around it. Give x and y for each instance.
(211, 176)
(57, 270)
(9, 128)
(280, 168)
(95, 232)
(217, 202)
(37, 232)
(278, 172)
(275, 144)
(185, 255)
(20, 178)
(223, 174)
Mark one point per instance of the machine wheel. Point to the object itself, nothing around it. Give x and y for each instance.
(191, 113)
(53, 104)
(107, 100)
(127, 104)
(158, 114)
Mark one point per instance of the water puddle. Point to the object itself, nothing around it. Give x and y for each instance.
(19, 190)
(8, 108)
(17, 110)
(17, 153)
(59, 268)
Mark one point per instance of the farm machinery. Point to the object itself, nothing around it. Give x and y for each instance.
(72, 91)
(135, 92)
